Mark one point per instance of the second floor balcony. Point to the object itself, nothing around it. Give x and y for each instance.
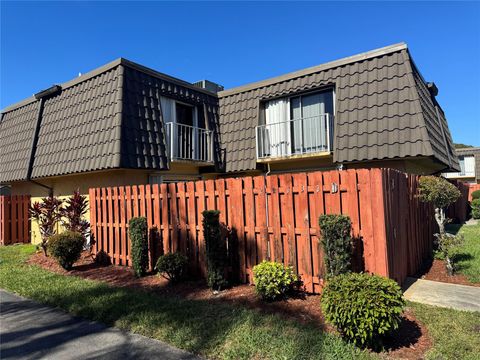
(189, 143)
(307, 135)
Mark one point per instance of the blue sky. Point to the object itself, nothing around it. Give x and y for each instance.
(231, 43)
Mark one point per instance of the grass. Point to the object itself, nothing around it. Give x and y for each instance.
(467, 256)
(214, 330)
(455, 334)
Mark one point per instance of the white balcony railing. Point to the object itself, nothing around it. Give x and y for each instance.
(295, 137)
(189, 143)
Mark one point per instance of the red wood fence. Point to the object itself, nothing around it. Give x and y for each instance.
(275, 217)
(14, 222)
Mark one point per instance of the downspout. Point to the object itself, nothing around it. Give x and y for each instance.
(42, 95)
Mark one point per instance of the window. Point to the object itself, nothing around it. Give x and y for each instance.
(461, 161)
(297, 125)
(184, 114)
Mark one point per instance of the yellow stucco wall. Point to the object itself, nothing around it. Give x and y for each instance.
(63, 186)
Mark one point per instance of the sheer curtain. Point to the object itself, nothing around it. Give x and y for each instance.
(167, 105)
(278, 133)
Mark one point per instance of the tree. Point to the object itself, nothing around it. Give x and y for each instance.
(74, 212)
(440, 193)
(47, 214)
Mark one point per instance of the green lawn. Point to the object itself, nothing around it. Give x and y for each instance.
(216, 330)
(210, 329)
(455, 334)
(468, 254)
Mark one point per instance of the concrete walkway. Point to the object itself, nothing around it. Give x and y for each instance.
(29, 330)
(460, 297)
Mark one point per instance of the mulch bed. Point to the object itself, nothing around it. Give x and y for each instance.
(435, 270)
(411, 341)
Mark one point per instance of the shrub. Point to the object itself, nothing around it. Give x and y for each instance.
(337, 243)
(74, 213)
(476, 194)
(138, 233)
(216, 250)
(172, 266)
(66, 248)
(273, 280)
(446, 244)
(46, 213)
(102, 258)
(475, 204)
(440, 193)
(363, 307)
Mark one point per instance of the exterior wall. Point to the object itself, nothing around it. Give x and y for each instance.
(63, 186)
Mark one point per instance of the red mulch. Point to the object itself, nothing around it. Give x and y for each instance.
(411, 341)
(436, 271)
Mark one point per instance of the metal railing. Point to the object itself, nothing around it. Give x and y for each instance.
(295, 137)
(187, 142)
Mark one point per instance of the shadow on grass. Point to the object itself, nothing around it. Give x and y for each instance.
(199, 326)
(407, 335)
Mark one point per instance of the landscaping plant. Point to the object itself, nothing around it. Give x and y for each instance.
(172, 266)
(363, 307)
(446, 244)
(217, 256)
(475, 204)
(273, 280)
(47, 214)
(440, 193)
(102, 258)
(138, 233)
(476, 194)
(74, 212)
(337, 243)
(66, 247)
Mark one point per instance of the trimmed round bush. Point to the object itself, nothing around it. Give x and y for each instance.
(476, 194)
(102, 258)
(363, 307)
(66, 248)
(172, 266)
(475, 204)
(273, 280)
(138, 233)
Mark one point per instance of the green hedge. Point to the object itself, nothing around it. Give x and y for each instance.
(273, 280)
(363, 307)
(217, 257)
(337, 243)
(138, 233)
(66, 248)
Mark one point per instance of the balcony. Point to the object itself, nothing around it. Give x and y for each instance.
(189, 143)
(303, 136)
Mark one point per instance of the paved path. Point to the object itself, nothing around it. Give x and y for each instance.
(29, 330)
(460, 297)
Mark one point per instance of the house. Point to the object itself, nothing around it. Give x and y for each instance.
(124, 124)
(469, 160)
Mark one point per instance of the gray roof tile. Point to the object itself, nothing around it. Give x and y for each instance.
(108, 118)
(379, 113)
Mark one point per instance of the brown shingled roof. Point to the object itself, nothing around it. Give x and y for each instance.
(108, 118)
(379, 112)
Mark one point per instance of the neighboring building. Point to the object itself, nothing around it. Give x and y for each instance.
(126, 124)
(469, 161)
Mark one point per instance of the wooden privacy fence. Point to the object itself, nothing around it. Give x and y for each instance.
(14, 222)
(274, 217)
